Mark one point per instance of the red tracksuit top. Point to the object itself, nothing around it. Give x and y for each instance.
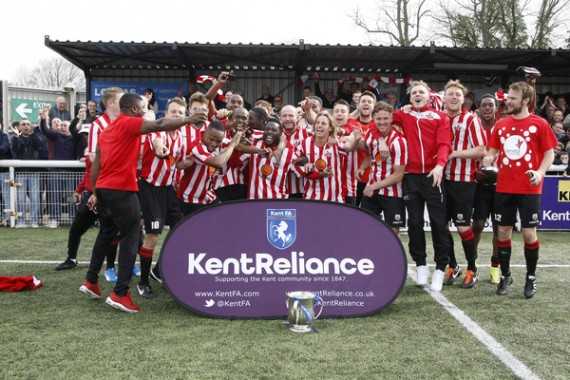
(429, 138)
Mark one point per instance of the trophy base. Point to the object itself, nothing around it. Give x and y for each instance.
(300, 328)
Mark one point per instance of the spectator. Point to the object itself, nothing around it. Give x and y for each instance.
(557, 149)
(26, 145)
(152, 101)
(5, 154)
(563, 157)
(265, 95)
(277, 103)
(59, 184)
(558, 117)
(558, 129)
(241, 93)
(548, 100)
(469, 102)
(60, 110)
(190, 91)
(566, 138)
(392, 99)
(562, 105)
(307, 91)
(351, 96)
(328, 97)
(92, 112)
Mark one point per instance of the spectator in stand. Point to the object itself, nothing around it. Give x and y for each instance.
(277, 104)
(241, 93)
(65, 148)
(266, 95)
(562, 105)
(190, 90)
(5, 154)
(92, 112)
(392, 99)
(547, 102)
(566, 138)
(558, 129)
(60, 110)
(557, 149)
(328, 97)
(469, 103)
(26, 145)
(558, 117)
(307, 91)
(563, 157)
(152, 101)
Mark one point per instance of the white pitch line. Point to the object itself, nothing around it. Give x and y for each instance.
(519, 368)
(413, 265)
(86, 262)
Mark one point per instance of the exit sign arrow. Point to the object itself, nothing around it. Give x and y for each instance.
(23, 111)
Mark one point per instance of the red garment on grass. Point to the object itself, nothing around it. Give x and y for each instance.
(18, 283)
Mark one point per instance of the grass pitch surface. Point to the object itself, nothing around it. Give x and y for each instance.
(56, 333)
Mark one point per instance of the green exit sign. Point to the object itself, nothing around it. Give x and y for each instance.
(27, 109)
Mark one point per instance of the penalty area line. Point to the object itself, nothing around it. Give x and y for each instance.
(516, 366)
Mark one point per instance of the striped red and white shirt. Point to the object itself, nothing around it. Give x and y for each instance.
(323, 189)
(160, 171)
(466, 133)
(195, 186)
(232, 173)
(95, 129)
(381, 169)
(189, 135)
(267, 177)
(352, 160)
(296, 184)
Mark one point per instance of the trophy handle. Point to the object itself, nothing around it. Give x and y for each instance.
(318, 301)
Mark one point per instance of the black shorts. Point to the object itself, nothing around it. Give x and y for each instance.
(483, 202)
(393, 208)
(459, 197)
(506, 206)
(159, 206)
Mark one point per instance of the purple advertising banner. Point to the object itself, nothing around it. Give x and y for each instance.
(555, 204)
(239, 259)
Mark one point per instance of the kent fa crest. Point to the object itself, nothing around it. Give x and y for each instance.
(281, 227)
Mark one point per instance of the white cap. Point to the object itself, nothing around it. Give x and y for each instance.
(85, 128)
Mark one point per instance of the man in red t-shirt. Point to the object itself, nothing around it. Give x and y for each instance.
(524, 144)
(84, 218)
(114, 182)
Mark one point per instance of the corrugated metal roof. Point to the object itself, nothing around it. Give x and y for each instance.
(301, 57)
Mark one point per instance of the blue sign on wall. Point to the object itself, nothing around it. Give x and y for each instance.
(163, 90)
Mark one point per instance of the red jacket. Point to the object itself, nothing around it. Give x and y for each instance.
(428, 135)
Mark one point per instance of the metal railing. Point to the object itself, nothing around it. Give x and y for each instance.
(39, 193)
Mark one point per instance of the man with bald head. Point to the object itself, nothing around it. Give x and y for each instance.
(60, 110)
